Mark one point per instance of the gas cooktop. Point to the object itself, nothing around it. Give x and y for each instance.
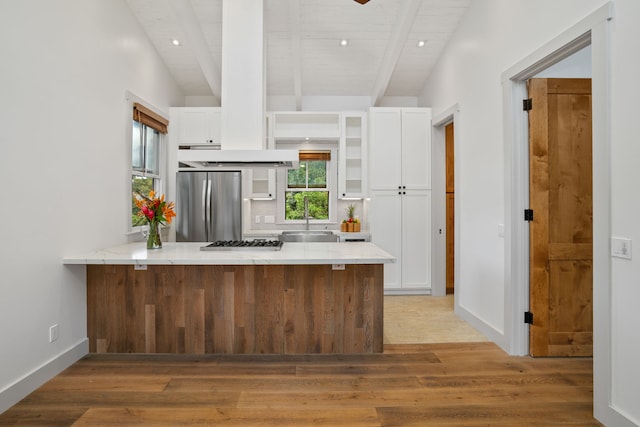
(229, 245)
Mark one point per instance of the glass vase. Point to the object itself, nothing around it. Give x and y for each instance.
(153, 238)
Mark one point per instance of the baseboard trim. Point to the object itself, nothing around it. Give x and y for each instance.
(17, 391)
(419, 291)
(490, 332)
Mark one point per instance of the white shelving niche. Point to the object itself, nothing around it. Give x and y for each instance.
(352, 168)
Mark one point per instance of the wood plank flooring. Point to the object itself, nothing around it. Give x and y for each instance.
(455, 384)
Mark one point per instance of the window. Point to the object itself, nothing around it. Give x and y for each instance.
(146, 155)
(308, 182)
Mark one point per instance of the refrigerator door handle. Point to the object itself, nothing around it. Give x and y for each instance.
(205, 208)
(208, 214)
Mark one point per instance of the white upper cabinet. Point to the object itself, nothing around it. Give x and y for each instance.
(400, 148)
(300, 125)
(416, 148)
(352, 166)
(198, 125)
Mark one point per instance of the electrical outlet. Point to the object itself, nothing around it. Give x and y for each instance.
(140, 266)
(337, 266)
(53, 333)
(257, 219)
(269, 219)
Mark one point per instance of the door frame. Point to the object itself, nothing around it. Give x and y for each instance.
(438, 202)
(594, 30)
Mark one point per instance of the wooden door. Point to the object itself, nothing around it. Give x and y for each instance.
(450, 207)
(561, 232)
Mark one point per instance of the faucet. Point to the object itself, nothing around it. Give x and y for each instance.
(306, 211)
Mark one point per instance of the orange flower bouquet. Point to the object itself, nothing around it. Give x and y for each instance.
(156, 211)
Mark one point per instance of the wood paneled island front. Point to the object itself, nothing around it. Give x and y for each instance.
(183, 300)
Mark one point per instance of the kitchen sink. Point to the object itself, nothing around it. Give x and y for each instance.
(308, 236)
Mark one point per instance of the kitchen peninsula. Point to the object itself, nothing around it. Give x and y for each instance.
(304, 298)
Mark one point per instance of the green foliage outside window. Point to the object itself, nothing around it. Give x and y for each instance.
(318, 204)
(310, 175)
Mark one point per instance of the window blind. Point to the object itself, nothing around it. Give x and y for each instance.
(314, 155)
(147, 117)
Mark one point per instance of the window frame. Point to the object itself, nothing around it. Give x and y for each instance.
(160, 177)
(332, 183)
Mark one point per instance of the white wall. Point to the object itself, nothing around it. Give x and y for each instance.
(489, 41)
(66, 65)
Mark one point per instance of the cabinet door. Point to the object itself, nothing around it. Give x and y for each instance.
(262, 182)
(384, 148)
(416, 148)
(416, 239)
(199, 125)
(385, 223)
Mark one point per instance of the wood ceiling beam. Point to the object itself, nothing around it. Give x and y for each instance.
(397, 40)
(296, 56)
(191, 28)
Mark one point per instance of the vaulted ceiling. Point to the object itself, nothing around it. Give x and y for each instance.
(303, 44)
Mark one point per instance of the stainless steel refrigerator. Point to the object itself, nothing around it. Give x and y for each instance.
(209, 206)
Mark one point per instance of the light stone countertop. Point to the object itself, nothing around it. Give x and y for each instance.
(190, 254)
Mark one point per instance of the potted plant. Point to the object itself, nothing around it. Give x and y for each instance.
(351, 209)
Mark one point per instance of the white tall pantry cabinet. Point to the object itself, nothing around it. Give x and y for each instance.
(400, 190)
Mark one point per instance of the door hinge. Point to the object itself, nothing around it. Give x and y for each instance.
(527, 104)
(528, 214)
(528, 317)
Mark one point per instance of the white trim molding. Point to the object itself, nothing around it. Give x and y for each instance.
(593, 30)
(17, 391)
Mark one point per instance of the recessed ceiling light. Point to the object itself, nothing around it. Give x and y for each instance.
(344, 42)
(420, 43)
(175, 42)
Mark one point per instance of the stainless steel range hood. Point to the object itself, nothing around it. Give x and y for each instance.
(243, 95)
(207, 158)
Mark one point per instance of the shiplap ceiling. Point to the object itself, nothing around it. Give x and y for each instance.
(304, 55)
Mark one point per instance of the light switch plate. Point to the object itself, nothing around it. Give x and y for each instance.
(621, 247)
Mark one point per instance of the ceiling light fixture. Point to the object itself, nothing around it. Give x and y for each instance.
(420, 43)
(344, 42)
(175, 42)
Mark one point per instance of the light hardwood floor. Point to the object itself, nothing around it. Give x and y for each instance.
(447, 384)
